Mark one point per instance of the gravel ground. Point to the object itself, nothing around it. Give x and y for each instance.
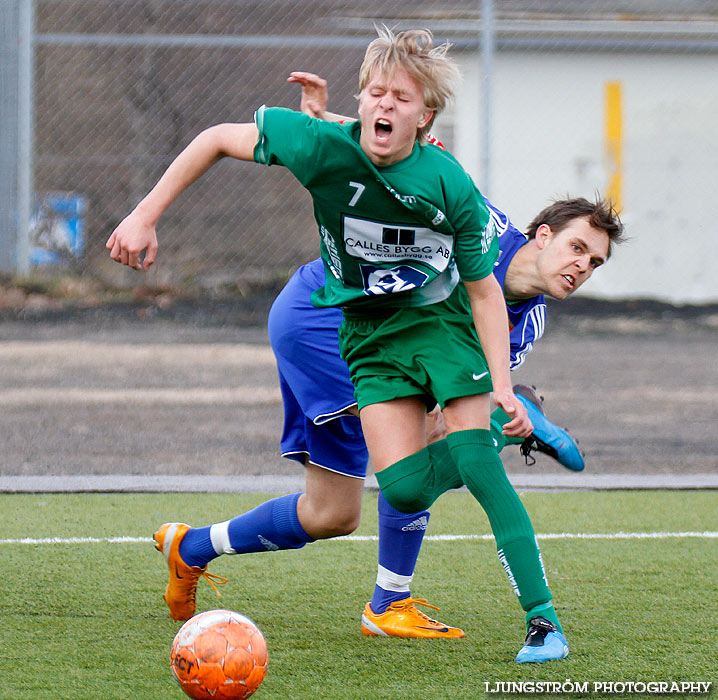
(191, 389)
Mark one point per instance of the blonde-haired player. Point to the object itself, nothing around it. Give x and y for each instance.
(401, 226)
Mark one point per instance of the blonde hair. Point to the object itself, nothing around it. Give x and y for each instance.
(414, 51)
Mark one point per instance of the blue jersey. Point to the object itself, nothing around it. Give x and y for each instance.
(527, 317)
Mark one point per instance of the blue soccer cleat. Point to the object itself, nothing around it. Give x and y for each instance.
(543, 643)
(547, 437)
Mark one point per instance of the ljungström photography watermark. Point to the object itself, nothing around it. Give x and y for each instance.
(572, 687)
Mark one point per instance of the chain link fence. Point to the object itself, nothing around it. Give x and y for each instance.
(119, 87)
(123, 86)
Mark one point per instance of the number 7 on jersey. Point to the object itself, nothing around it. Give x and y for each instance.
(359, 191)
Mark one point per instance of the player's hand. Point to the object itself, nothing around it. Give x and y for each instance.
(315, 95)
(134, 236)
(520, 424)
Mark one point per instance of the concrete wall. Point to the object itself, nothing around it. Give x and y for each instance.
(547, 138)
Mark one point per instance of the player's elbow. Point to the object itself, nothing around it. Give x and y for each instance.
(234, 140)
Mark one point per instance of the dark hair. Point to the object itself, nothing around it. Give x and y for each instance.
(601, 215)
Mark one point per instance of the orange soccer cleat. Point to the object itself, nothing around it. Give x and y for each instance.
(403, 619)
(181, 591)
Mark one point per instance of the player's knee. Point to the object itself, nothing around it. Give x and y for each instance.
(336, 528)
(408, 484)
(345, 524)
(328, 522)
(406, 501)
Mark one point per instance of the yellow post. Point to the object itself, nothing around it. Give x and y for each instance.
(613, 141)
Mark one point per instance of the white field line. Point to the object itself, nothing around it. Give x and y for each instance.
(373, 538)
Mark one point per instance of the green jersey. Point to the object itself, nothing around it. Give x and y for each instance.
(392, 236)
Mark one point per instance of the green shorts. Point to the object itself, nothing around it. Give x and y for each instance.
(431, 352)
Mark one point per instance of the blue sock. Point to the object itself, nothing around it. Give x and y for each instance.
(271, 526)
(400, 537)
(196, 547)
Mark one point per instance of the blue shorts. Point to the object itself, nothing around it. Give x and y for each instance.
(314, 380)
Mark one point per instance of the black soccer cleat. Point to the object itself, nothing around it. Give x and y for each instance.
(543, 643)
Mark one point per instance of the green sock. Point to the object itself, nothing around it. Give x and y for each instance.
(415, 482)
(446, 474)
(484, 475)
(544, 610)
(498, 418)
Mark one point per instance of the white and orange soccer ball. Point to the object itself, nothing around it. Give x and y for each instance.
(219, 655)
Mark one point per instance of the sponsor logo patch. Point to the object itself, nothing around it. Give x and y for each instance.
(390, 243)
(398, 279)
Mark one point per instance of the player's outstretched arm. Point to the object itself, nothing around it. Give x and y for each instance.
(489, 311)
(315, 96)
(136, 234)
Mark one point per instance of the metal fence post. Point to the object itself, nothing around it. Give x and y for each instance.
(26, 22)
(486, 77)
(8, 135)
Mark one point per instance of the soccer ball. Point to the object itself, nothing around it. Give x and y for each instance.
(219, 655)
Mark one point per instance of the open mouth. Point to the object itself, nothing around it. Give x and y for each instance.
(382, 129)
(570, 279)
